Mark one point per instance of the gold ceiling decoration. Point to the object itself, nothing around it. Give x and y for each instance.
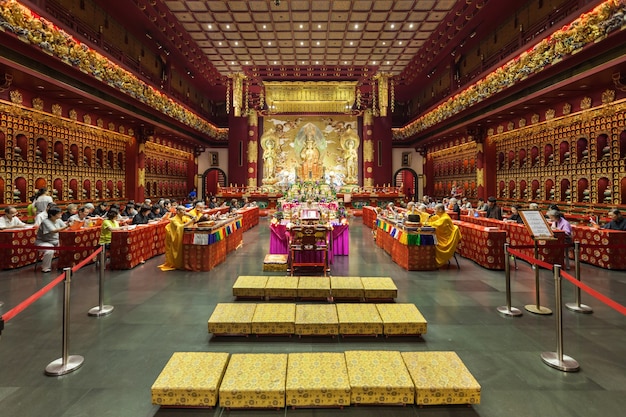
(310, 96)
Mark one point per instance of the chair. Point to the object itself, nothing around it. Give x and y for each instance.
(309, 247)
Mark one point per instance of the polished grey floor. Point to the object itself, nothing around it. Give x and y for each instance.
(158, 313)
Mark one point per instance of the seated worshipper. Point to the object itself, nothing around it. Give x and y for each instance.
(617, 222)
(70, 210)
(454, 206)
(515, 216)
(143, 217)
(108, 226)
(174, 239)
(410, 208)
(424, 215)
(129, 210)
(80, 216)
(447, 233)
(557, 221)
(41, 216)
(482, 206)
(197, 210)
(493, 210)
(234, 204)
(101, 210)
(466, 204)
(48, 235)
(156, 212)
(10, 219)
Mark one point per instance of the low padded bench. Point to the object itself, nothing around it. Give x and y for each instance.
(274, 319)
(281, 287)
(401, 320)
(317, 380)
(254, 380)
(441, 378)
(190, 379)
(314, 287)
(248, 286)
(359, 319)
(379, 377)
(379, 288)
(316, 320)
(346, 288)
(232, 319)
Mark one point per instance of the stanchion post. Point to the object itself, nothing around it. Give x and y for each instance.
(67, 363)
(576, 306)
(101, 309)
(557, 359)
(507, 309)
(537, 308)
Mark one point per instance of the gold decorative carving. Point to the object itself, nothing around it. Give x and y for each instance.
(121, 129)
(253, 152)
(37, 103)
(500, 129)
(16, 97)
(162, 149)
(57, 110)
(585, 103)
(567, 108)
(490, 131)
(608, 96)
(111, 126)
(253, 119)
(238, 79)
(87, 119)
(141, 177)
(521, 123)
(510, 126)
(368, 151)
(550, 114)
(310, 96)
(480, 172)
(100, 123)
(131, 132)
(368, 119)
(73, 115)
(534, 118)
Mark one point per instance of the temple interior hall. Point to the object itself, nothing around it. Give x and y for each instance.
(310, 132)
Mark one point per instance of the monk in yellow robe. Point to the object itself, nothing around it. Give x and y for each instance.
(174, 239)
(447, 233)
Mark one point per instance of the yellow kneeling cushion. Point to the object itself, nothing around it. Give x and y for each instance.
(190, 379)
(317, 380)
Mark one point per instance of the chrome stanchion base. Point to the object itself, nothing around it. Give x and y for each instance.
(98, 312)
(579, 308)
(568, 364)
(533, 308)
(57, 367)
(509, 312)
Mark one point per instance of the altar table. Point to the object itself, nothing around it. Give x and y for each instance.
(340, 242)
(206, 247)
(18, 257)
(86, 239)
(413, 248)
(133, 245)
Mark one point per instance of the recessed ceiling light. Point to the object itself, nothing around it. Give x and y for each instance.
(351, 43)
(269, 43)
(274, 62)
(411, 26)
(318, 43)
(264, 27)
(301, 26)
(210, 26)
(246, 62)
(384, 43)
(41, 87)
(356, 25)
(236, 43)
(227, 26)
(232, 63)
(317, 62)
(219, 43)
(319, 26)
(400, 43)
(373, 62)
(301, 43)
(393, 26)
(584, 86)
(302, 62)
(388, 62)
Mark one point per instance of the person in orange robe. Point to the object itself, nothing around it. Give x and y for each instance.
(174, 239)
(447, 233)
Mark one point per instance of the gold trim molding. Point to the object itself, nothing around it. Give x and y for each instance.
(310, 96)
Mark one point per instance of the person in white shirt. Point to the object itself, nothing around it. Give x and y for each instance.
(42, 201)
(48, 235)
(10, 220)
(41, 216)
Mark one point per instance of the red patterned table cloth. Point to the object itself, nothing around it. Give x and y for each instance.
(86, 240)
(18, 257)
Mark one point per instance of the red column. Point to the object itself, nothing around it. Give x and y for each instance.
(237, 134)
(253, 149)
(382, 167)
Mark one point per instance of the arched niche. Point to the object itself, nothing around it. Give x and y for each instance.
(86, 190)
(41, 150)
(110, 189)
(20, 150)
(582, 149)
(73, 190)
(583, 192)
(511, 159)
(605, 192)
(148, 188)
(57, 189)
(154, 189)
(564, 153)
(522, 189)
(603, 147)
(548, 154)
(549, 190)
(622, 145)
(622, 189)
(99, 155)
(2, 190)
(500, 160)
(19, 190)
(87, 156)
(534, 190)
(110, 159)
(566, 192)
(57, 152)
(99, 189)
(40, 183)
(511, 189)
(534, 156)
(3, 144)
(120, 160)
(522, 157)
(166, 167)
(501, 189)
(120, 189)
(148, 165)
(74, 154)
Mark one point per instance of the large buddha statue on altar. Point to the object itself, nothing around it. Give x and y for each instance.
(310, 147)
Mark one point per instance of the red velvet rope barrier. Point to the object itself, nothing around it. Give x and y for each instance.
(40, 293)
(36, 247)
(595, 294)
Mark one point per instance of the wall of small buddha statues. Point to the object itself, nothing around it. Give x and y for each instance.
(576, 159)
(78, 161)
